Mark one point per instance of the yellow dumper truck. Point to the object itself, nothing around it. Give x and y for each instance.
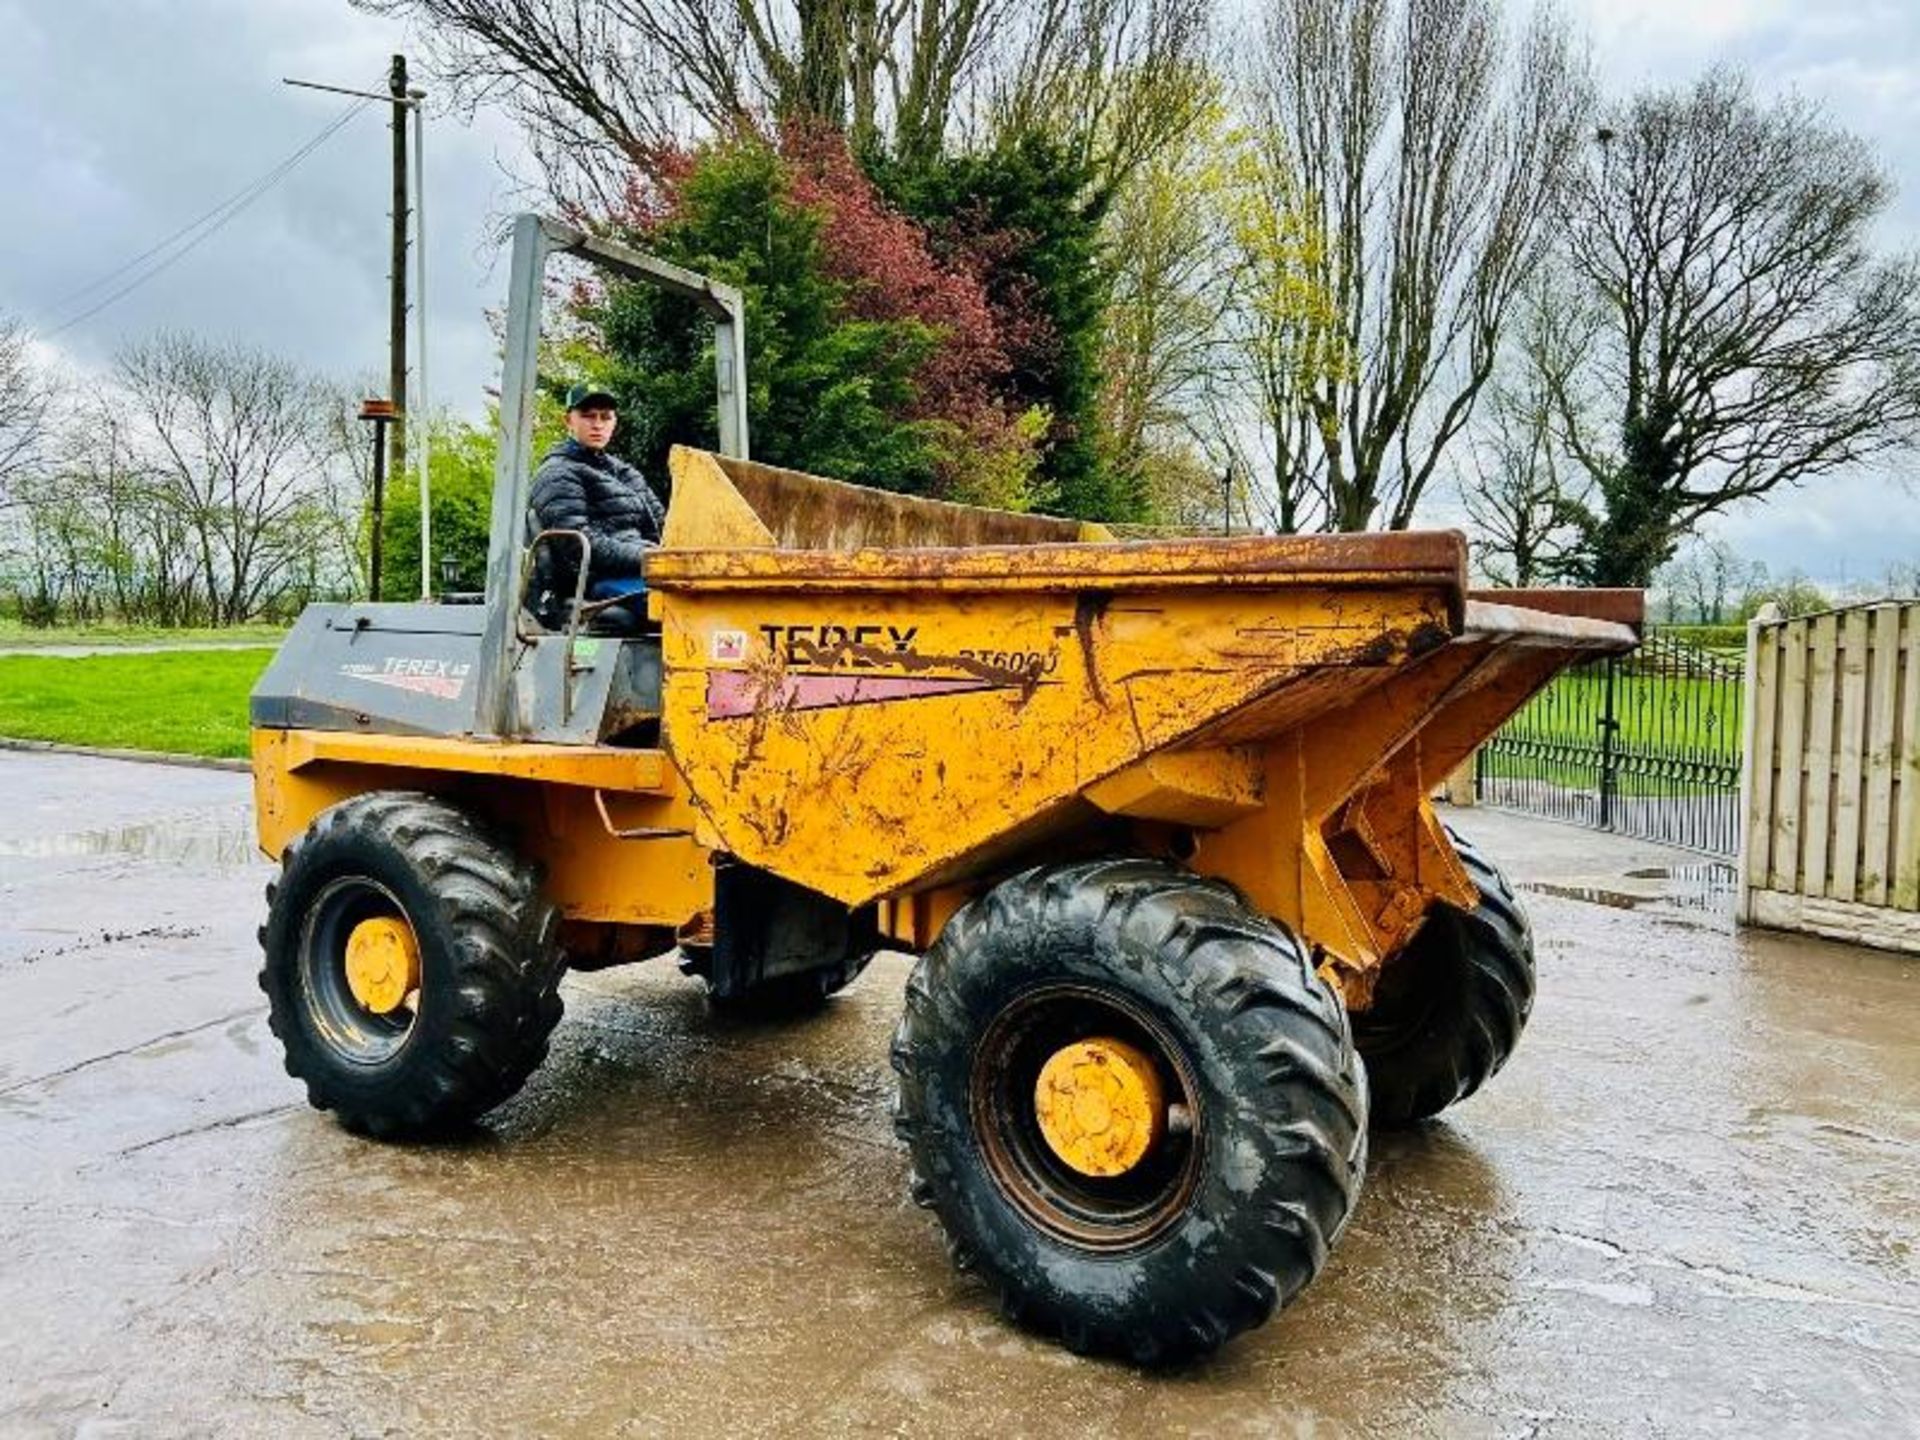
(1153, 815)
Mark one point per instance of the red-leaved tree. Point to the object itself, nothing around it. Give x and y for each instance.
(885, 269)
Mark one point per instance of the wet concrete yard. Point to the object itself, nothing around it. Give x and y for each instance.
(1691, 1205)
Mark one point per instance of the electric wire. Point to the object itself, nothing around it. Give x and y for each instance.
(213, 221)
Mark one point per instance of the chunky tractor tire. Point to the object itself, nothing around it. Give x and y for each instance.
(460, 914)
(1132, 1104)
(1449, 1008)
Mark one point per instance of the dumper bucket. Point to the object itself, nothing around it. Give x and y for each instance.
(721, 501)
(872, 695)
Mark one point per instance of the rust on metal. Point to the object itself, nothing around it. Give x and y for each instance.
(1100, 1105)
(1622, 607)
(810, 512)
(1329, 561)
(894, 701)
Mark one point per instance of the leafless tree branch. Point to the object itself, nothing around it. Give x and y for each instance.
(1753, 338)
(1426, 151)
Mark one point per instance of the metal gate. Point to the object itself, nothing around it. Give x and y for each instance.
(1646, 744)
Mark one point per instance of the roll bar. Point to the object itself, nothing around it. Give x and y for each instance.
(536, 239)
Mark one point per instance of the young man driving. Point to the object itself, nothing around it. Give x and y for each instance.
(579, 486)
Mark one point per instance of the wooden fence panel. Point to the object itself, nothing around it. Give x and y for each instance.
(1789, 761)
(1843, 855)
(1760, 774)
(1883, 711)
(1831, 789)
(1822, 693)
(1906, 772)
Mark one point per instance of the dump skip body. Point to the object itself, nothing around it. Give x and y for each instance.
(874, 721)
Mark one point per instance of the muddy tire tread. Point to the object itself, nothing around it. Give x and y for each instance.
(1280, 1039)
(1482, 965)
(504, 966)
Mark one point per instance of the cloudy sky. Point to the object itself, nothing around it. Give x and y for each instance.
(122, 120)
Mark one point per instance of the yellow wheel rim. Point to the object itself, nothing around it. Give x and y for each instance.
(1100, 1105)
(383, 963)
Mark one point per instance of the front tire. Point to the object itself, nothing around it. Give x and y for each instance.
(1257, 1118)
(1448, 1009)
(400, 1056)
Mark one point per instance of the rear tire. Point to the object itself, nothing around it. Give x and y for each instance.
(489, 962)
(1449, 1007)
(1229, 1213)
(788, 997)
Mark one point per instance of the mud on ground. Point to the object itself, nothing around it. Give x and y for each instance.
(1690, 1206)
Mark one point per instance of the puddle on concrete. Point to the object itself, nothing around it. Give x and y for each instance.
(1705, 890)
(1591, 894)
(222, 839)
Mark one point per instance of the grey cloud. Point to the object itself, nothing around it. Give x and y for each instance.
(120, 122)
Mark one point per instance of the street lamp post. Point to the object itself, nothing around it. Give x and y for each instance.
(423, 433)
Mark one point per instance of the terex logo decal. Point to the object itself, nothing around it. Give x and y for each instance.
(440, 679)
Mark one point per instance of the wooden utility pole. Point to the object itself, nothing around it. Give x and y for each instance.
(380, 414)
(390, 425)
(397, 292)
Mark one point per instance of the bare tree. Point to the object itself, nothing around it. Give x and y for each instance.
(1526, 499)
(1422, 153)
(238, 448)
(100, 471)
(1752, 338)
(1707, 575)
(1901, 580)
(95, 536)
(1794, 594)
(345, 491)
(600, 84)
(1281, 338)
(26, 407)
(1161, 343)
(53, 533)
(1119, 81)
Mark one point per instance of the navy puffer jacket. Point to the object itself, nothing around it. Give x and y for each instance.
(577, 488)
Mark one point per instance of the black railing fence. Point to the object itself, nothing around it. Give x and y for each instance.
(1645, 744)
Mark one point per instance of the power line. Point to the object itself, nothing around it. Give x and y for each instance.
(213, 221)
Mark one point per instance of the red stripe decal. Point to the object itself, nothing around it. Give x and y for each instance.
(734, 693)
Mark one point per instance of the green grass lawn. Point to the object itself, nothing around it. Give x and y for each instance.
(15, 636)
(1673, 732)
(187, 703)
(1657, 715)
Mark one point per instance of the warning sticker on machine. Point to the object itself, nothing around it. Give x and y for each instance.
(729, 644)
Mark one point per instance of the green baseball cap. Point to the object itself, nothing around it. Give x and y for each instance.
(583, 393)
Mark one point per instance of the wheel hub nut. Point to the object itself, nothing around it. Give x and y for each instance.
(383, 963)
(1100, 1105)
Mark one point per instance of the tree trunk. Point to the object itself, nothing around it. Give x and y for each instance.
(1638, 533)
(822, 79)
